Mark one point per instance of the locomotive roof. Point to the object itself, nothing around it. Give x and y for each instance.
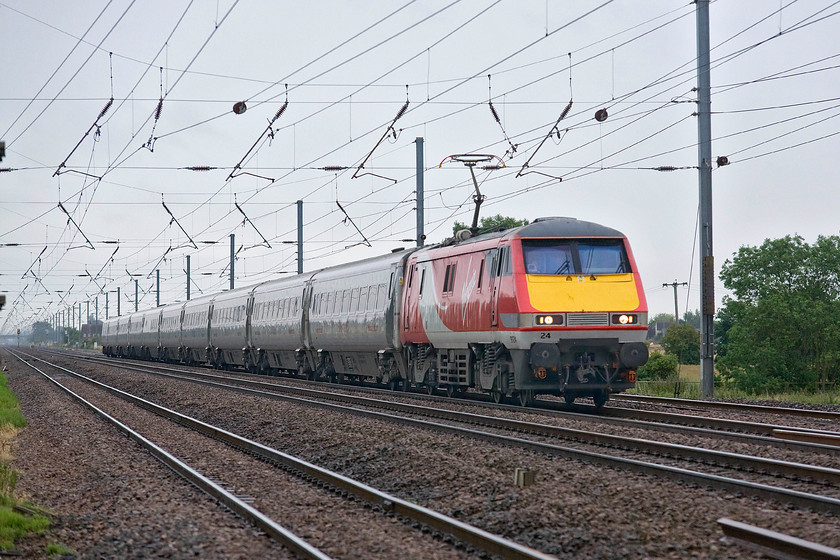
(551, 227)
(566, 227)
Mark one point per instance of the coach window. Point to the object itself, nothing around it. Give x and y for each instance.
(480, 274)
(504, 265)
(371, 300)
(422, 280)
(363, 298)
(449, 279)
(354, 300)
(493, 263)
(381, 292)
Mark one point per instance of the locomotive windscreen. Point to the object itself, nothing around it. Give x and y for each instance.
(579, 256)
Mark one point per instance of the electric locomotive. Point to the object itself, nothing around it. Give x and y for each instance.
(553, 307)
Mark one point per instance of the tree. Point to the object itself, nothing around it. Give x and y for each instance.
(659, 366)
(658, 318)
(492, 223)
(682, 341)
(783, 331)
(692, 318)
(42, 332)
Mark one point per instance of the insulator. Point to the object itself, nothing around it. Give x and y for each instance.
(6, 169)
(105, 108)
(665, 168)
(159, 109)
(280, 111)
(200, 168)
(495, 114)
(334, 168)
(402, 111)
(566, 111)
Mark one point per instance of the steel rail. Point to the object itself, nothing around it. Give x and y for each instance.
(704, 455)
(724, 429)
(705, 421)
(798, 435)
(473, 536)
(746, 488)
(802, 444)
(773, 466)
(698, 425)
(276, 531)
(808, 413)
(775, 545)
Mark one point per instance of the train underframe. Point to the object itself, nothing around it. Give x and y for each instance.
(593, 368)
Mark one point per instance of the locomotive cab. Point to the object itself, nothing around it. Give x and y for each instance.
(581, 309)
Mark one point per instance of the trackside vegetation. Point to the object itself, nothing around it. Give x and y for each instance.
(17, 519)
(779, 330)
(777, 334)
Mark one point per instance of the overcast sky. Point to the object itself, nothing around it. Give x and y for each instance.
(82, 196)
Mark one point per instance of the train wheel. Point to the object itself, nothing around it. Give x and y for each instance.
(496, 395)
(600, 398)
(526, 398)
(393, 384)
(451, 391)
(570, 399)
(430, 390)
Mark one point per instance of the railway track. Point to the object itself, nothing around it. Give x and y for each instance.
(768, 435)
(775, 544)
(691, 425)
(728, 406)
(464, 535)
(718, 476)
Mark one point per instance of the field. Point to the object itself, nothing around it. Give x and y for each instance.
(688, 387)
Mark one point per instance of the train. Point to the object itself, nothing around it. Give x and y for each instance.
(554, 307)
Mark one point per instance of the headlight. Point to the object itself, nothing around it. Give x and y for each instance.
(548, 320)
(625, 319)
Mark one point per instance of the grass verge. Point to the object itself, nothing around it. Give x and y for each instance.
(17, 519)
(687, 386)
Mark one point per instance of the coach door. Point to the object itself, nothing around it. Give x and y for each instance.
(493, 280)
(408, 293)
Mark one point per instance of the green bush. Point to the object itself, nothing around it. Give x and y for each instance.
(658, 366)
(683, 341)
